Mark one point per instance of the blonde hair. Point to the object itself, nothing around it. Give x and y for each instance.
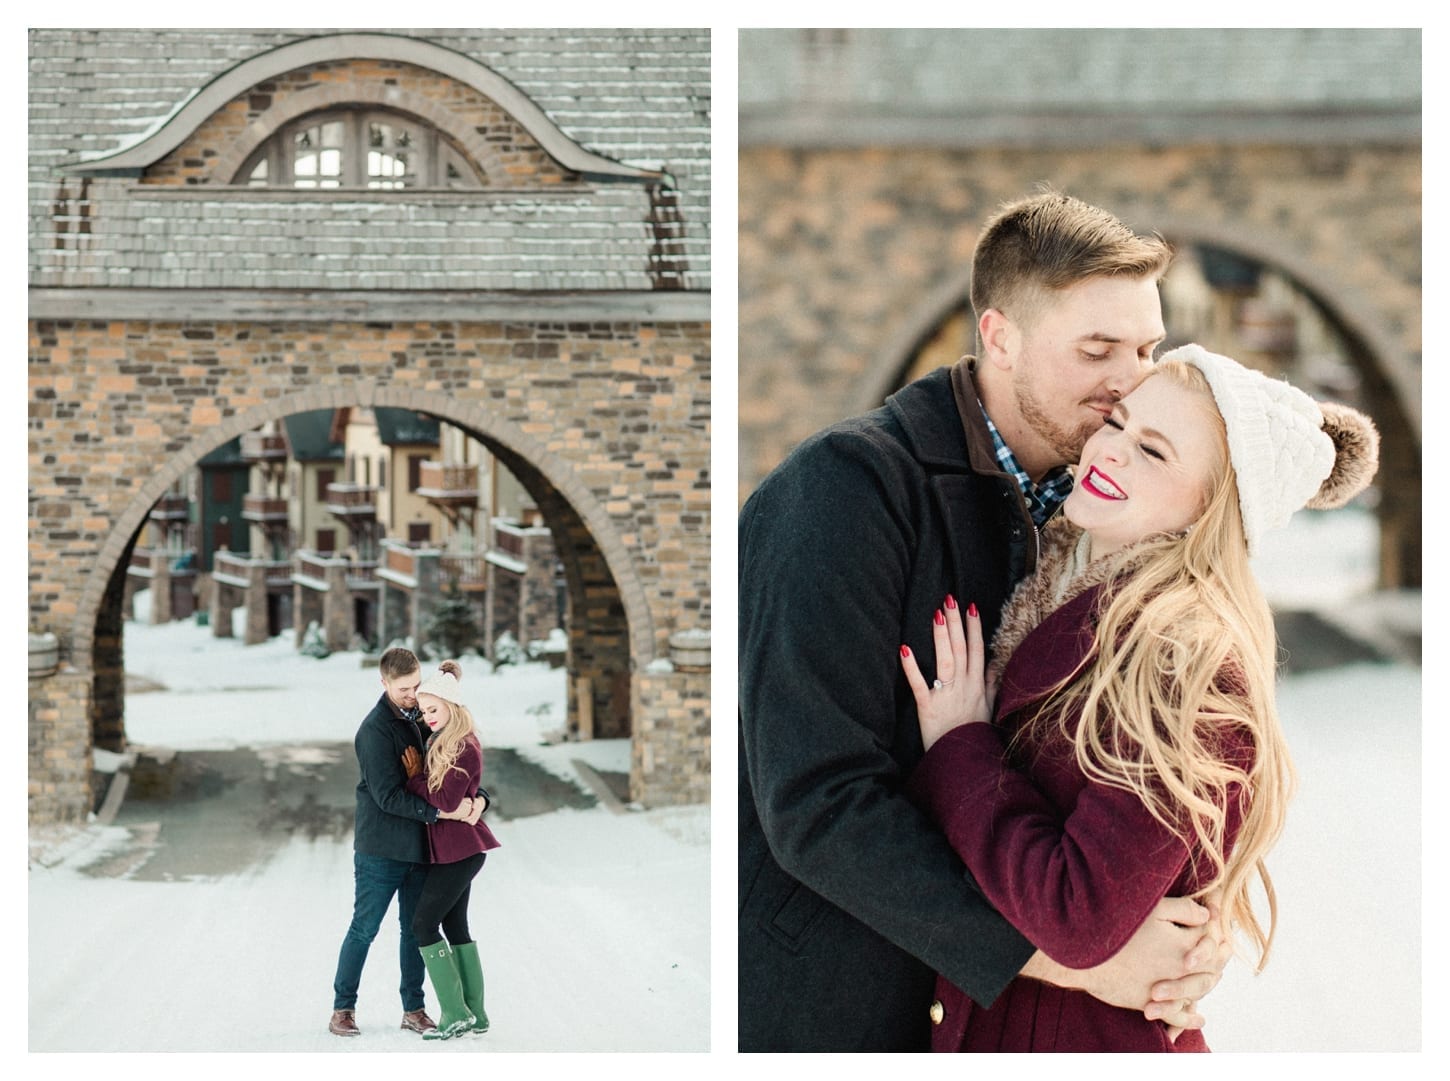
(447, 743)
(1184, 667)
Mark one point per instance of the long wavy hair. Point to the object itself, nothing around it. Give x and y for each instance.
(1185, 655)
(445, 745)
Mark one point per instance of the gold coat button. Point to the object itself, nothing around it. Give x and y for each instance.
(937, 1012)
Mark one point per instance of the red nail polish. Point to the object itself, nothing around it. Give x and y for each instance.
(951, 601)
(972, 609)
(906, 651)
(940, 619)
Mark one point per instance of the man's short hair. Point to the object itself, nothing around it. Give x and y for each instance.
(397, 662)
(1049, 242)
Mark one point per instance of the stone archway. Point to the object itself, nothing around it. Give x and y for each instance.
(1389, 380)
(611, 633)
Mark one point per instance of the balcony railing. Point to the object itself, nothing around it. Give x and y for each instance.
(471, 570)
(264, 447)
(262, 508)
(360, 573)
(446, 482)
(355, 500)
(171, 507)
(144, 561)
(277, 572)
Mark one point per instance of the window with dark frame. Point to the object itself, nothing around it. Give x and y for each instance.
(358, 148)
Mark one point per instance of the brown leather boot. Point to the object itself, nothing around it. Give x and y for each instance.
(418, 1021)
(342, 1024)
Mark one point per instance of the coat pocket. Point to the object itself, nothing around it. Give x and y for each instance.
(783, 908)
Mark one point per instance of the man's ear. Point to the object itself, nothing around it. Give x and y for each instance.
(999, 338)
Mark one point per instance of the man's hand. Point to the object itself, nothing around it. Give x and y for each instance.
(1175, 958)
(464, 809)
(412, 762)
(477, 812)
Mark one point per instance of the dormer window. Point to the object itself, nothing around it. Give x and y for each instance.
(356, 148)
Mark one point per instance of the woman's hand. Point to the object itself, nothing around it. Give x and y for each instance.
(412, 762)
(960, 694)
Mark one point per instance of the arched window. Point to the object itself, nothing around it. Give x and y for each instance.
(358, 148)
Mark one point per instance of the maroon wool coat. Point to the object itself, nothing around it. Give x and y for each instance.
(449, 840)
(1076, 866)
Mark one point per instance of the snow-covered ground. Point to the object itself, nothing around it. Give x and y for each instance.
(593, 923)
(601, 921)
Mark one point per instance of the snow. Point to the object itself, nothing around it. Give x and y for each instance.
(594, 922)
(603, 920)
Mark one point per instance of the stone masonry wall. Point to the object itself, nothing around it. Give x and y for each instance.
(615, 416)
(840, 249)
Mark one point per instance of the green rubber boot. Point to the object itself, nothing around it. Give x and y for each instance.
(470, 975)
(443, 974)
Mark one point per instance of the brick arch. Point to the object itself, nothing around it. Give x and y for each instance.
(356, 92)
(1377, 352)
(518, 444)
(1347, 306)
(175, 129)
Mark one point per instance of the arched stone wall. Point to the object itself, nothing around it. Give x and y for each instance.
(848, 256)
(604, 421)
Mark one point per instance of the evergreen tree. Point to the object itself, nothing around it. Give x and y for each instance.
(454, 625)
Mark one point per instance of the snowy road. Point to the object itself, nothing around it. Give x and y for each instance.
(592, 923)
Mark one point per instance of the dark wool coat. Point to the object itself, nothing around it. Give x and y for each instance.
(1077, 865)
(390, 821)
(850, 898)
(450, 840)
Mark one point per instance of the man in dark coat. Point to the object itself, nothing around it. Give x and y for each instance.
(390, 842)
(850, 899)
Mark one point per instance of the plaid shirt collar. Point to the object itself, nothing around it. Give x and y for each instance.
(1043, 499)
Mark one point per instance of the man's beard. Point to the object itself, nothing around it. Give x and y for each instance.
(1066, 442)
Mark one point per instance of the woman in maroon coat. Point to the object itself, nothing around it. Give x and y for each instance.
(453, 768)
(1134, 751)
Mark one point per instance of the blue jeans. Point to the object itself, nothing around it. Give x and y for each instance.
(375, 880)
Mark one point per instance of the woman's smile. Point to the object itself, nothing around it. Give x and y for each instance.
(1100, 484)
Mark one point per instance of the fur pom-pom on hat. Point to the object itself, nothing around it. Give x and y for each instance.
(1288, 451)
(1356, 456)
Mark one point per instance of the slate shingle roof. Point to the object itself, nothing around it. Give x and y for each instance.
(1073, 88)
(641, 97)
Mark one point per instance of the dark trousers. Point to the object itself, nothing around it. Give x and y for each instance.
(375, 880)
(444, 901)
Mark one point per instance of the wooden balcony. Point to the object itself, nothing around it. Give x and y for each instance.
(145, 561)
(264, 447)
(352, 500)
(471, 571)
(171, 508)
(264, 509)
(229, 566)
(313, 566)
(446, 482)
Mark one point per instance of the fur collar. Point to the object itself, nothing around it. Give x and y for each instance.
(1057, 580)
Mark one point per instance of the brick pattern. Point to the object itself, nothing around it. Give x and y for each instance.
(508, 154)
(841, 250)
(606, 423)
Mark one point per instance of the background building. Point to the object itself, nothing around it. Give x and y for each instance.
(1283, 165)
(507, 231)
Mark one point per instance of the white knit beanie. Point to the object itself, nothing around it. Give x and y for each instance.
(1284, 445)
(442, 685)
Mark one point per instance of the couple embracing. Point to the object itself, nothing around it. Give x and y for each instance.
(417, 836)
(1009, 756)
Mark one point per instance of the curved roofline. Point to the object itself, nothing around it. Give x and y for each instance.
(193, 112)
